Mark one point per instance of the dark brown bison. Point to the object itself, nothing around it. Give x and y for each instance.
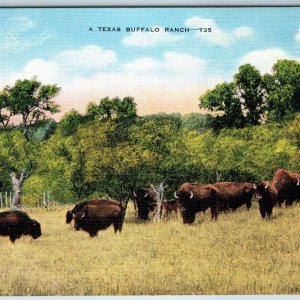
(194, 198)
(267, 197)
(287, 184)
(232, 195)
(92, 218)
(169, 206)
(15, 223)
(79, 206)
(145, 201)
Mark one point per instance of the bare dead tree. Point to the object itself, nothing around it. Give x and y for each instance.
(159, 190)
(17, 182)
(218, 176)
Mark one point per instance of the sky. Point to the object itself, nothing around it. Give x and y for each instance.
(163, 71)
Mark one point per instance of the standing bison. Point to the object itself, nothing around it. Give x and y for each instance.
(267, 197)
(232, 195)
(145, 201)
(79, 206)
(92, 218)
(169, 206)
(14, 223)
(287, 184)
(194, 198)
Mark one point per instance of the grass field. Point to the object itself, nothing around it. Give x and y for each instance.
(238, 254)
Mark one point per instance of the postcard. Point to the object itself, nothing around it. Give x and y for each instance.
(149, 151)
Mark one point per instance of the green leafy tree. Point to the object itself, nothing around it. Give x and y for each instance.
(283, 87)
(239, 103)
(115, 108)
(30, 100)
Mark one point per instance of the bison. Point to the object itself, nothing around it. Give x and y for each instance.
(169, 206)
(232, 195)
(287, 184)
(267, 197)
(79, 206)
(92, 218)
(195, 198)
(145, 201)
(15, 223)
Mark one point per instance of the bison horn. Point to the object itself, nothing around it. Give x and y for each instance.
(254, 186)
(175, 195)
(298, 182)
(83, 215)
(145, 195)
(134, 194)
(192, 195)
(266, 186)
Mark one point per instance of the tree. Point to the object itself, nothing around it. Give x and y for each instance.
(70, 122)
(30, 100)
(283, 87)
(239, 103)
(114, 108)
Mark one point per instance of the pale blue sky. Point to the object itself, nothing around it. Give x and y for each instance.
(163, 71)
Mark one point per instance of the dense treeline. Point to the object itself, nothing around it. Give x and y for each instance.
(111, 158)
(111, 150)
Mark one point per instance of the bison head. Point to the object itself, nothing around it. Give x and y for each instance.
(145, 202)
(79, 219)
(187, 212)
(69, 216)
(34, 229)
(262, 189)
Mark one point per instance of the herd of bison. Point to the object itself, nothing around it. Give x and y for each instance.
(94, 215)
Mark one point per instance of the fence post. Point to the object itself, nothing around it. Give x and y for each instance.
(1, 200)
(5, 198)
(10, 198)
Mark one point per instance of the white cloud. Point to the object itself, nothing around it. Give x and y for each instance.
(243, 32)
(45, 71)
(217, 36)
(179, 62)
(172, 62)
(13, 40)
(20, 24)
(151, 39)
(143, 64)
(263, 60)
(90, 56)
(172, 83)
(297, 36)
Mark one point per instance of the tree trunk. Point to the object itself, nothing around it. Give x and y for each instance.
(17, 183)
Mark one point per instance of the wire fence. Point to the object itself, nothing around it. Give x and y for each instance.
(45, 200)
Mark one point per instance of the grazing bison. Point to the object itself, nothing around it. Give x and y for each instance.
(92, 218)
(194, 198)
(145, 201)
(234, 194)
(15, 223)
(287, 184)
(267, 197)
(79, 206)
(169, 206)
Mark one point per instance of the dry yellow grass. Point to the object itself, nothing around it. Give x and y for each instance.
(238, 254)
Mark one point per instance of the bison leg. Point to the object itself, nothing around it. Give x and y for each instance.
(262, 213)
(248, 205)
(93, 234)
(214, 213)
(117, 226)
(269, 212)
(13, 238)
